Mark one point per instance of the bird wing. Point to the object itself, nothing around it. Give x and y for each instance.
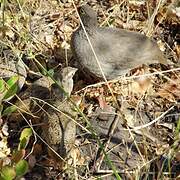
(121, 46)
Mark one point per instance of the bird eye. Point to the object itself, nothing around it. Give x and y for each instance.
(82, 11)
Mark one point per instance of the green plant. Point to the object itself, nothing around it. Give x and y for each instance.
(18, 166)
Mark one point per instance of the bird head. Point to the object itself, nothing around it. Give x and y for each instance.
(88, 16)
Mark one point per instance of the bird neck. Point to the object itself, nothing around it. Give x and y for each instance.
(89, 23)
(89, 28)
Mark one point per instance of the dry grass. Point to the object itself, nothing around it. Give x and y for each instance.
(143, 117)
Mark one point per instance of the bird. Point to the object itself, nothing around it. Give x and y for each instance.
(67, 74)
(60, 130)
(65, 79)
(117, 50)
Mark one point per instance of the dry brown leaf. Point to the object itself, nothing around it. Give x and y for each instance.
(32, 161)
(166, 95)
(177, 50)
(19, 155)
(37, 149)
(170, 90)
(77, 158)
(141, 85)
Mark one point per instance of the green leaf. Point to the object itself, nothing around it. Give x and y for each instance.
(23, 143)
(26, 133)
(21, 168)
(9, 110)
(178, 128)
(11, 91)
(2, 85)
(24, 138)
(7, 173)
(12, 80)
(12, 87)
